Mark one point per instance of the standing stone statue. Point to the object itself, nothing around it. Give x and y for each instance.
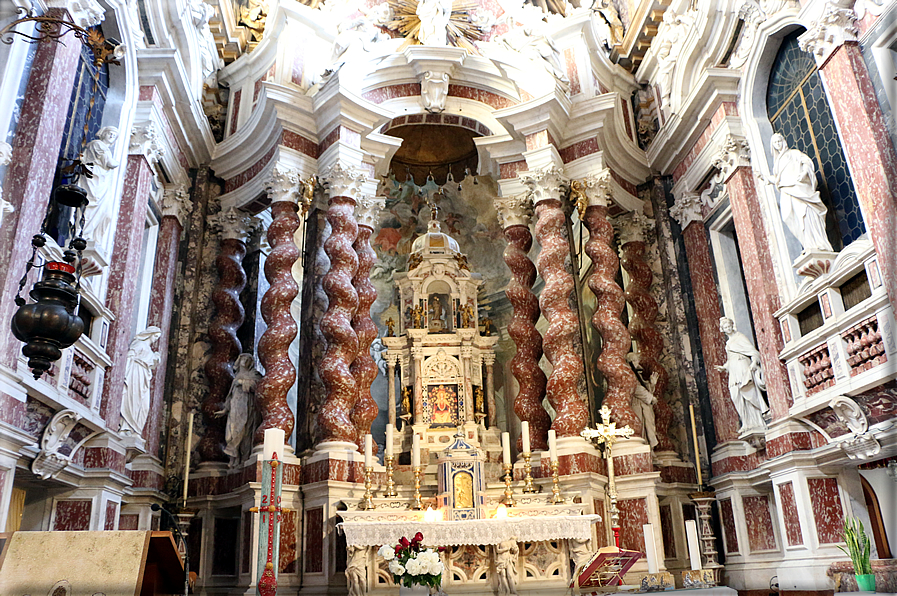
(434, 18)
(100, 186)
(745, 377)
(142, 360)
(643, 399)
(5, 159)
(239, 407)
(356, 570)
(803, 211)
(506, 566)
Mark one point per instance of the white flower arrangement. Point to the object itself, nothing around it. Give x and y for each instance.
(410, 564)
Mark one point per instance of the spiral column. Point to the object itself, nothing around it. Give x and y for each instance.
(363, 368)
(234, 227)
(554, 300)
(609, 297)
(335, 416)
(632, 229)
(514, 215)
(274, 345)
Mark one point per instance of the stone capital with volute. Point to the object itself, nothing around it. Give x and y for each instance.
(281, 184)
(733, 154)
(234, 224)
(145, 140)
(632, 227)
(687, 209)
(368, 211)
(544, 184)
(835, 27)
(514, 211)
(343, 181)
(176, 203)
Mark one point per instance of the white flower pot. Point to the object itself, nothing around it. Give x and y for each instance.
(415, 591)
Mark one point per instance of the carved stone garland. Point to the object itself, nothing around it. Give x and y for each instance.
(514, 216)
(273, 348)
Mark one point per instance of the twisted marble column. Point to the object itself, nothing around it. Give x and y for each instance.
(363, 368)
(335, 415)
(274, 345)
(514, 216)
(563, 322)
(234, 226)
(609, 297)
(642, 324)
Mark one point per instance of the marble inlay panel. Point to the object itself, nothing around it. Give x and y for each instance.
(761, 536)
(789, 514)
(827, 510)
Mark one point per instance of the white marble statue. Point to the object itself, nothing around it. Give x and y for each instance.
(5, 159)
(433, 90)
(238, 406)
(202, 13)
(142, 360)
(745, 377)
(803, 211)
(506, 566)
(580, 552)
(356, 570)
(534, 43)
(100, 186)
(669, 45)
(353, 36)
(434, 18)
(643, 399)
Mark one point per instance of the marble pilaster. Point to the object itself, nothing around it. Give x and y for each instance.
(489, 360)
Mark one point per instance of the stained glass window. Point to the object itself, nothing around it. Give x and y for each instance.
(799, 111)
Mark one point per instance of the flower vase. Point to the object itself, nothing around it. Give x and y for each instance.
(866, 583)
(415, 590)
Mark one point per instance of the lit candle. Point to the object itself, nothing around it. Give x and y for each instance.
(389, 430)
(524, 430)
(187, 456)
(553, 445)
(415, 450)
(506, 448)
(368, 451)
(694, 551)
(274, 440)
(694, 435)
(650, 547)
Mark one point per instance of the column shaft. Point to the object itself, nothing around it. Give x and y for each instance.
(363, 368)
(391, 381)
(490, 395)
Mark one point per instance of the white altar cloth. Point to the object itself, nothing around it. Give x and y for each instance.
(475, 531)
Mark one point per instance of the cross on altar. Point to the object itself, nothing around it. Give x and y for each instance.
(606, 433)
(269, 523)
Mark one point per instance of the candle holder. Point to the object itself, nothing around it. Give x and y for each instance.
(416, 504)
(528, 487)
(367, 501)
(556, 497)
(703, 501)
(509, 492)
(390, 485)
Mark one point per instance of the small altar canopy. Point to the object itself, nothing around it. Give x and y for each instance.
(461, 480)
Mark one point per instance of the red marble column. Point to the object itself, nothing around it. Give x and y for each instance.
(274, 345)
(229, 314)
(121, 293)
(514, 216)
(706, 299)
(35, 150)
(763, 292)
(554, 300)
(334, 417)
(869, 151)
(363, 368)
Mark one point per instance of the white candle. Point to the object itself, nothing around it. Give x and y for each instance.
(552, 445)
(650, 548)
(415, 450)
(368, 451)
(274, 440)
(187, 455)
(389, 430)
(524, 431)
(694, 551)
(506, 448)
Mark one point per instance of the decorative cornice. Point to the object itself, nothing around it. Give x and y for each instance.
(544, 184)
(176, 203)
(145, 140)
(84, 13)
(632, 227)
(343, 181)
(687, 209)
(368, 211)
(514, 211)
(836, 26)
(281, 184)
(733, 154)
(234, 224)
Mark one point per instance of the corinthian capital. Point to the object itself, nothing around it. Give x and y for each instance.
(514, 211)
(234, 224)
(836, 26)
(368, 211)
(176, 203)
(343, 181)
(632, 227)
(281, 184)
(733, 154)
(145, 140)
(594, 190)
(687, 209)
(544, 184)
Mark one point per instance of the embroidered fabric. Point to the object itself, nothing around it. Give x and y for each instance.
(476, 531)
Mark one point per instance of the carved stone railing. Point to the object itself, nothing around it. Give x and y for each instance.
(864, 345)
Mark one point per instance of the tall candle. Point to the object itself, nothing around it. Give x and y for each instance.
(368, 451)
(524, 430)
(552, 445)
(187, 456)
(389, 430)
(506, 448)
(650, 547)
(694, 550)
(274, 440)
(694, 435)
(415, 450)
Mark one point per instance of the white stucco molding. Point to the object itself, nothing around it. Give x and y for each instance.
(835, 27)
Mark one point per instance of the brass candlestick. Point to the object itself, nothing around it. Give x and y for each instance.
(390, 485)
(528, 487)
(509, 493)
(417, 503)
(367, 501)
(555, 484)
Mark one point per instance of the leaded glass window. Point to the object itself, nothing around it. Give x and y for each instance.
(798, 109)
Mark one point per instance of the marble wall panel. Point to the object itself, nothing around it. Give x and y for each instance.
(789, 514)
(72, 515)
(666, 531)
(828, 512)
(761, 535)
(111, 510)
(728, 520)
(633, 515)
(128, 521)
(314, 540)
(289, 556)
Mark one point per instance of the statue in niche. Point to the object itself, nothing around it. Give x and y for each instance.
(478, 402)
(239, 408)
(390, 327)
(433, 91)
(356, 570)
(643, 398)
(142, 360)
(100, 186)
(745, 377)
(406, 400)
(434, 18)
(5, 159)
(803, 211)
(506, 553)
(437, 315)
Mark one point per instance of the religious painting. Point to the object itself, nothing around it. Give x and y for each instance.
(463, 490)
(438, 314)
(443, 399)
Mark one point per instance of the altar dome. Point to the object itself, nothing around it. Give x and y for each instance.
(435, 241)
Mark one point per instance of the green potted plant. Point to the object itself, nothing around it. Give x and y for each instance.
(858, 548)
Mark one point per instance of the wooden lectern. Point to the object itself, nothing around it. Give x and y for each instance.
(604, 571)
(113, 563)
